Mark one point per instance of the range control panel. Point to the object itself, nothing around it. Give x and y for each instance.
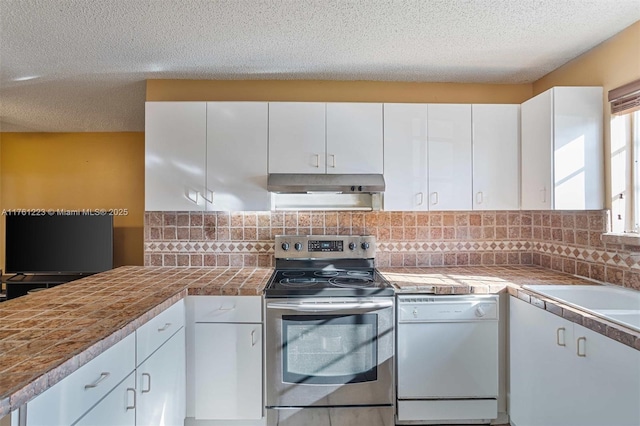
(325, 246)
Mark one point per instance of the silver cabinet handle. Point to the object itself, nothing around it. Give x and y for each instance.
(420, 196)
(210, 194)
(165, 327)
(333, 160)
(148, 376)
(103, 377)
(479, 197)
(193, 196)
(582, 353)
(544, 194)
(253, 334)
(131, 407)
(564, 343)
(434, 198)
(317, 156)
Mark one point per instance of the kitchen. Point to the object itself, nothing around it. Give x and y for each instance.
(526, 234)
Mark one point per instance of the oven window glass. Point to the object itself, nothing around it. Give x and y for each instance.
(329, 349)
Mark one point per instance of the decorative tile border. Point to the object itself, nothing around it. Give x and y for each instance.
(245, 247)
(602, 256)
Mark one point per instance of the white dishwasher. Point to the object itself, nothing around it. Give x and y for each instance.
(447, 359)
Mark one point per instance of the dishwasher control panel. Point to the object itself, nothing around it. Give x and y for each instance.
(418, 308)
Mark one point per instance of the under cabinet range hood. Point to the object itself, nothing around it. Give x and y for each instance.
(293, 183)
(326, 191)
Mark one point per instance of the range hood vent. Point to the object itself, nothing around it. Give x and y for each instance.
(290, 183)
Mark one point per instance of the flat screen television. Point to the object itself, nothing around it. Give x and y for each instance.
(58, 244)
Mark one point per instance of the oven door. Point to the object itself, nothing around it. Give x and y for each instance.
(329, 352)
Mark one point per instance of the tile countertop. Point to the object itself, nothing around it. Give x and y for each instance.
(473, 279)
(47, 335)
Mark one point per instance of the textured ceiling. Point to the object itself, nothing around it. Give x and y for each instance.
(88, 59)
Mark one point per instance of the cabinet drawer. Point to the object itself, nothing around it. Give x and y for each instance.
(66, 401)
(158, 330)
(228, 309)
(117, 408)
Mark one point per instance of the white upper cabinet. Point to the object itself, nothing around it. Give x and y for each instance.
(562, 150)
(175, 155)
(405, 157)
(449, 136)
(354, 138)
(297, 137)
(308, 137)
(206, 155)
(496, 171)
(578, 167)
(237, 156)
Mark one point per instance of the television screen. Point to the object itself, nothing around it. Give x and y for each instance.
(66, 244)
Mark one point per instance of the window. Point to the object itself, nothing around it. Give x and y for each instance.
(625, 172)
(625, 158)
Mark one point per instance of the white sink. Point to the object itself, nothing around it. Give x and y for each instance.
(615, 304)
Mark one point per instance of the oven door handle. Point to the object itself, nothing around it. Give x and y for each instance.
(331, 307)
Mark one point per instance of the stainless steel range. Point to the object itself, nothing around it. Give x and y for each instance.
(329, 334)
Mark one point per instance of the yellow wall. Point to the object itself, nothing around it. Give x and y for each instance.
(334, 91)
(79, 171)
(610, 64)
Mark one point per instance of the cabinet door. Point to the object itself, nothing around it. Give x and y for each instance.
(578, 166)
(542, 367)
(237, 156)
(496, 143)
(69, 399)
(228, 365)
(354, 138)
(405, 157)
(297, 137)
(449, 136)
(536, 154)
(175, 155)
(607, 390)
(161, 385)
(117, 408)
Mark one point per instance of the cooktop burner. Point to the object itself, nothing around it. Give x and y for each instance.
(350, 282)
(328, 266)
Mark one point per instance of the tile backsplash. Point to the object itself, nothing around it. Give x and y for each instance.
(564, 241)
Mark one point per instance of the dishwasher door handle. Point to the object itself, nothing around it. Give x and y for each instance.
(331, 307)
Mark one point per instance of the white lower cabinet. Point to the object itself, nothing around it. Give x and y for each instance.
(563, 374)
(229, 366)
(114, 389)
(160, 383)
(67, 401)
(224, 349)
(117, 408)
